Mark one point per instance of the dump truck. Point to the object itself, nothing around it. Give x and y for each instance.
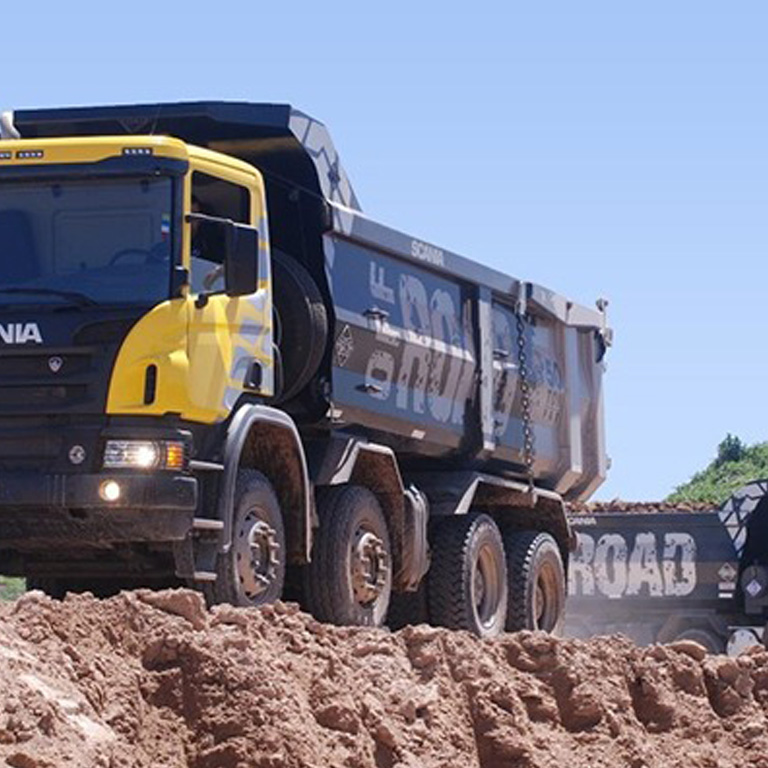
(216, 370)
(659, 573)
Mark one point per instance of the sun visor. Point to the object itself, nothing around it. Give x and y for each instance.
(280, 140)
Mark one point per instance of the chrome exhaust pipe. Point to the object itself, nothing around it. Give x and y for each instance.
(7, 128)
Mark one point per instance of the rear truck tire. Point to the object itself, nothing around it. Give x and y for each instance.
(536, 582)
(301, 323)
(467, 582)
(349, 579)
(703, 636)
(252, 572)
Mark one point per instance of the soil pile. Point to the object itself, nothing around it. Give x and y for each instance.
(649, 507)
(155, 679)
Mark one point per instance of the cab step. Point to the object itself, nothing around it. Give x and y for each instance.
(204, 576)
(207, 524)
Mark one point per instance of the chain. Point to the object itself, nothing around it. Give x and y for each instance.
(529, 447)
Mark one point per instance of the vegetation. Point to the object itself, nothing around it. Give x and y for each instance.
(735, 465)
(11, 588)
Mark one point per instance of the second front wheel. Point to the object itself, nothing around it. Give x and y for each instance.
(349, 580)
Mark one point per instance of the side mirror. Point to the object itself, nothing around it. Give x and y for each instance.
(241, 273)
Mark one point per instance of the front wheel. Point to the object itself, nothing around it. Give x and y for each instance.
(536, 582)
(252, 572)
(349, 580)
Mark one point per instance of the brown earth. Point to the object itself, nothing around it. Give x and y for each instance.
(154, 679)
(650, 507)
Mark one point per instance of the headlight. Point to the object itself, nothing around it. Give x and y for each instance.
(144, 454)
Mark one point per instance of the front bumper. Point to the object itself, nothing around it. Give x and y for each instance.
(35, 508)
(143, 491)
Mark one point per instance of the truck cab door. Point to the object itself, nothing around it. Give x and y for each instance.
(230, 336)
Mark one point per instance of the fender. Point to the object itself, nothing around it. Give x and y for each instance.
(511, 502)
(267, 439)
(346, 459)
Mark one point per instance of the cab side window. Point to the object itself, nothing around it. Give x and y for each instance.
(218, 199)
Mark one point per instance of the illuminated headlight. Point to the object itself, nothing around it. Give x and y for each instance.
(144, 454)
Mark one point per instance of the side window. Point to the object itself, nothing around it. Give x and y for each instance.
(222, 200)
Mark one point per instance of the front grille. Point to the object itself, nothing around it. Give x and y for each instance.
(21, 451)
(70, 372)
(40, 398)
(51, 381)
(24, 367)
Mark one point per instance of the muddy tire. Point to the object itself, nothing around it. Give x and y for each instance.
(467, 582)
(349, 580)
(536, 582)
(253, 571)
(301, 323)
(704, 636)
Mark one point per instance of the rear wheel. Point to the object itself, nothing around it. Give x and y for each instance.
(349, 580)
(468, 577)
(703, 636)
(536, 582)
(252, 572)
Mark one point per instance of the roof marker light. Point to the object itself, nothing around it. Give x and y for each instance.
(133, 151)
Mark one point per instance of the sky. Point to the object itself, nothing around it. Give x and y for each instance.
(602, 149)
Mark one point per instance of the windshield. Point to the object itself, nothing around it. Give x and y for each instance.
(79, 242)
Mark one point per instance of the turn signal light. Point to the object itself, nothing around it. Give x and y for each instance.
(145, 454)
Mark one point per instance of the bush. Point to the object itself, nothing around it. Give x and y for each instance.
(735, 465)
(11, 588)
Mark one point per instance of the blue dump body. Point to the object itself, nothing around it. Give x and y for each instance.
(657, 576)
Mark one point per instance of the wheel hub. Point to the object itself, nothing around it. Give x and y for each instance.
(370, 566)
(257, 555)
(486, 587)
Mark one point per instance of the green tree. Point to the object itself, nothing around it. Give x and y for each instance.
(735, 465)
(730, 449)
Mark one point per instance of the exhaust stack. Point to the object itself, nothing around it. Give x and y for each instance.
(7, 128)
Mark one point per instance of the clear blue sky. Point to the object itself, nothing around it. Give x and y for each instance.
(601, 148)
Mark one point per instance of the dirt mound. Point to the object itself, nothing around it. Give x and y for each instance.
(154, 679)
(650, 507)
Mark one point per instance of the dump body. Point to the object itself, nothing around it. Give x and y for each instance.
(429, 350)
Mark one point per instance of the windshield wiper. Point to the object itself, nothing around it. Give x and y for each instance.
(79, 298)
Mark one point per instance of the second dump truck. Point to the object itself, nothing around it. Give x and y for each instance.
(214, 369)
(675, 574)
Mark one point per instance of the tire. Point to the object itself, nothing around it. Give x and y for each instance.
(52, 586)
(704, 637)
(252, 572)
(301, 323)
(349, 580)
(536, 582)
(467, 582)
